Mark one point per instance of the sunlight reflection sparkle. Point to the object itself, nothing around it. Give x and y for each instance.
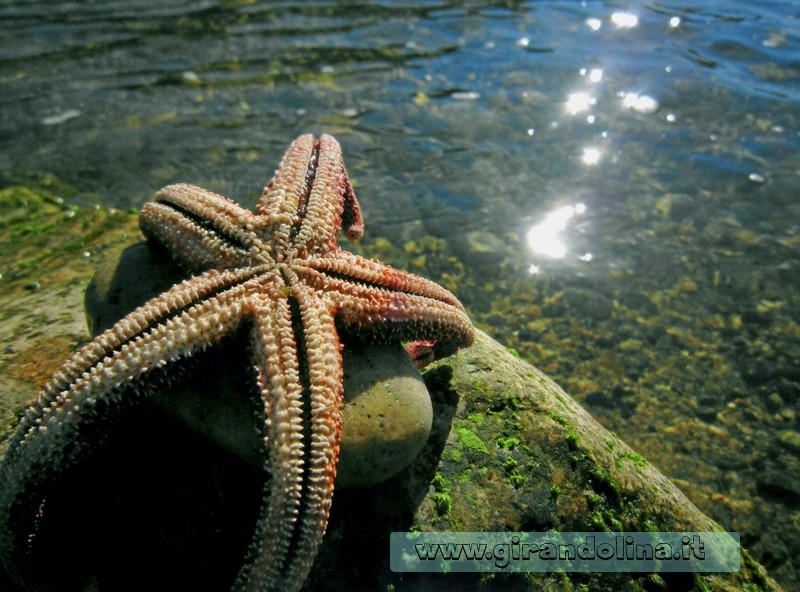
(543, 238)
(579, 101)
(639, 103)
(591, 155)
(624, 20)
(595, 74)
(594, 23)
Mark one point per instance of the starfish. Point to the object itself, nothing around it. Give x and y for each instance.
(279, 273)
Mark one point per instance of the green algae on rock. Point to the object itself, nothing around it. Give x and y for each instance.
(510, 451)
(48, 251)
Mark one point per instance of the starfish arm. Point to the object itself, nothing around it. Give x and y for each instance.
(324, 368)
(311, 196)
(52, 434)
(357, 269)
(378, 302)
(192, 293)
(375, 314)
(285, 197)
(299, 374)
(202, 229)
(278, 377)
(331, 203)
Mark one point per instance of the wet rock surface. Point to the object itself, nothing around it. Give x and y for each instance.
(510, 451)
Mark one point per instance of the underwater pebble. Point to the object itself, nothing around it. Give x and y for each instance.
(630, 345)
(790, 439)
(387, 415)
(587, 303)
(484, 248)
(678, 206)
(61, 117)
(774, 484)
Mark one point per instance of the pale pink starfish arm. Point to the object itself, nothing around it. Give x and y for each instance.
(107, 359)
(300, 380)
(52, 434)
(376, 302)
(278, 375)
(372, 314)
(310, 197)
(324, 363)
(345, 265)
(283, 199)
(324, 216)
(203, 229)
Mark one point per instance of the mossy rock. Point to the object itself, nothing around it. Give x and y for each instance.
(510, 451)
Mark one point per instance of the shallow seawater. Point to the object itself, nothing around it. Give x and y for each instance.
(609, 187)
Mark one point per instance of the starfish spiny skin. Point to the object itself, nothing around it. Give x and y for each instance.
(280, 273)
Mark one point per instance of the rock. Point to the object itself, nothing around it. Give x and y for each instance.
(777, 484)
(678, 206)
(510, 451)
(708, 407)
(483, 248)
(630, 346)
(387, 415)
(588, 304)
(773, 402)
(125, 282)
(387, 412)
(790, 439)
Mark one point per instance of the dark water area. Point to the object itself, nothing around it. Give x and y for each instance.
(609, 187)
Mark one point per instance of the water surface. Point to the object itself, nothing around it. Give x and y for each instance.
(609, 187)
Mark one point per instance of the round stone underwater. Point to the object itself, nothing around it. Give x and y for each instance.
(387, 414)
